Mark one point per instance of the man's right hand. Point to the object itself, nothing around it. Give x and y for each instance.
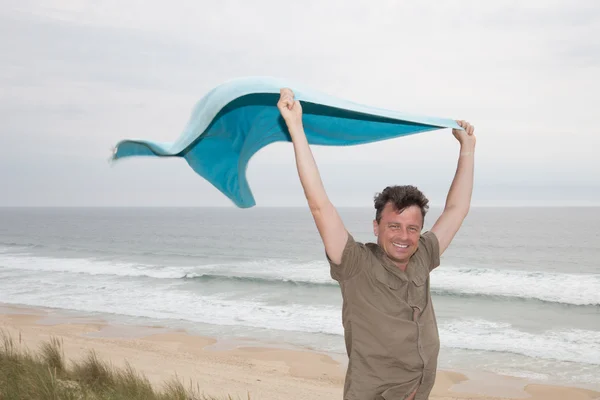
(290, 109)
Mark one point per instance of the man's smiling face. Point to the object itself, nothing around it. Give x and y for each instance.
(398, 233)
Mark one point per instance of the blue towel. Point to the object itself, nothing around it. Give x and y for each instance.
(238, 118)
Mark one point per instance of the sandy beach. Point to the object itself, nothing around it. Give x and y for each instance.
(237, 369)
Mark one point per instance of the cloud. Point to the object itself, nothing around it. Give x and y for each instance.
(77, 76)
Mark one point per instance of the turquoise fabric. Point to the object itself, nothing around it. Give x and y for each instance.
(238, 118)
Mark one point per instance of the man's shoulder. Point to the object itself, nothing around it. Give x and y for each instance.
(427, 237)
(355, 259)
(370, 246)
(428, 251)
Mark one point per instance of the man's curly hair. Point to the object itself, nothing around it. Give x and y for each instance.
(401, 197)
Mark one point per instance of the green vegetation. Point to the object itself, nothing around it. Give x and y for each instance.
(46, 376)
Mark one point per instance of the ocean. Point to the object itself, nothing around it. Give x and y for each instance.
(517, 293)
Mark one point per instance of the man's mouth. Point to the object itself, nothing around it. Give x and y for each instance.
(400, 246)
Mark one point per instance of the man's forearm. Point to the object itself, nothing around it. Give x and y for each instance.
(458, 201)
(459, 196)
(308, 170)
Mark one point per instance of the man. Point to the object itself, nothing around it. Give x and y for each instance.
(389, 323)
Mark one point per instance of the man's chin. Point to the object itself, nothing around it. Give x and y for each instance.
(400, 256)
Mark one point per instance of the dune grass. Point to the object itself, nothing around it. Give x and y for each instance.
(45, 375)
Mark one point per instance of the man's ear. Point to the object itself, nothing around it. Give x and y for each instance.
(375, 227)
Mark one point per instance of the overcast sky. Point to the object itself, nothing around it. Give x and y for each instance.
(78, 76)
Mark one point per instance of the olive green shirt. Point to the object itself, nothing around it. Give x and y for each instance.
(389, 323)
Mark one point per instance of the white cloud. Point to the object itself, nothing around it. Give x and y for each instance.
(77, 76)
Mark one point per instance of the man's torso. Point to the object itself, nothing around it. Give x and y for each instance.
(389, 322)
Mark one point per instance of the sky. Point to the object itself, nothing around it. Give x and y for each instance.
(78, 76)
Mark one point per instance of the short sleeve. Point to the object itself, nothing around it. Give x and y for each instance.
(354, 258)
(431, 249)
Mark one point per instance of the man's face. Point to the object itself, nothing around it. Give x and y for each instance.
(398, 233)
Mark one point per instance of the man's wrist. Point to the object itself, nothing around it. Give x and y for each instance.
(296, 127)
(467, 150)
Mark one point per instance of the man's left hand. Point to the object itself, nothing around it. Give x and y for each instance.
(465, 137)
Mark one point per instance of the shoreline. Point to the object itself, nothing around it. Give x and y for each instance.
(238, 367)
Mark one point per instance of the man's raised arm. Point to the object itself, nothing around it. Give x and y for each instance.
(458, 201)
(330, 225)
